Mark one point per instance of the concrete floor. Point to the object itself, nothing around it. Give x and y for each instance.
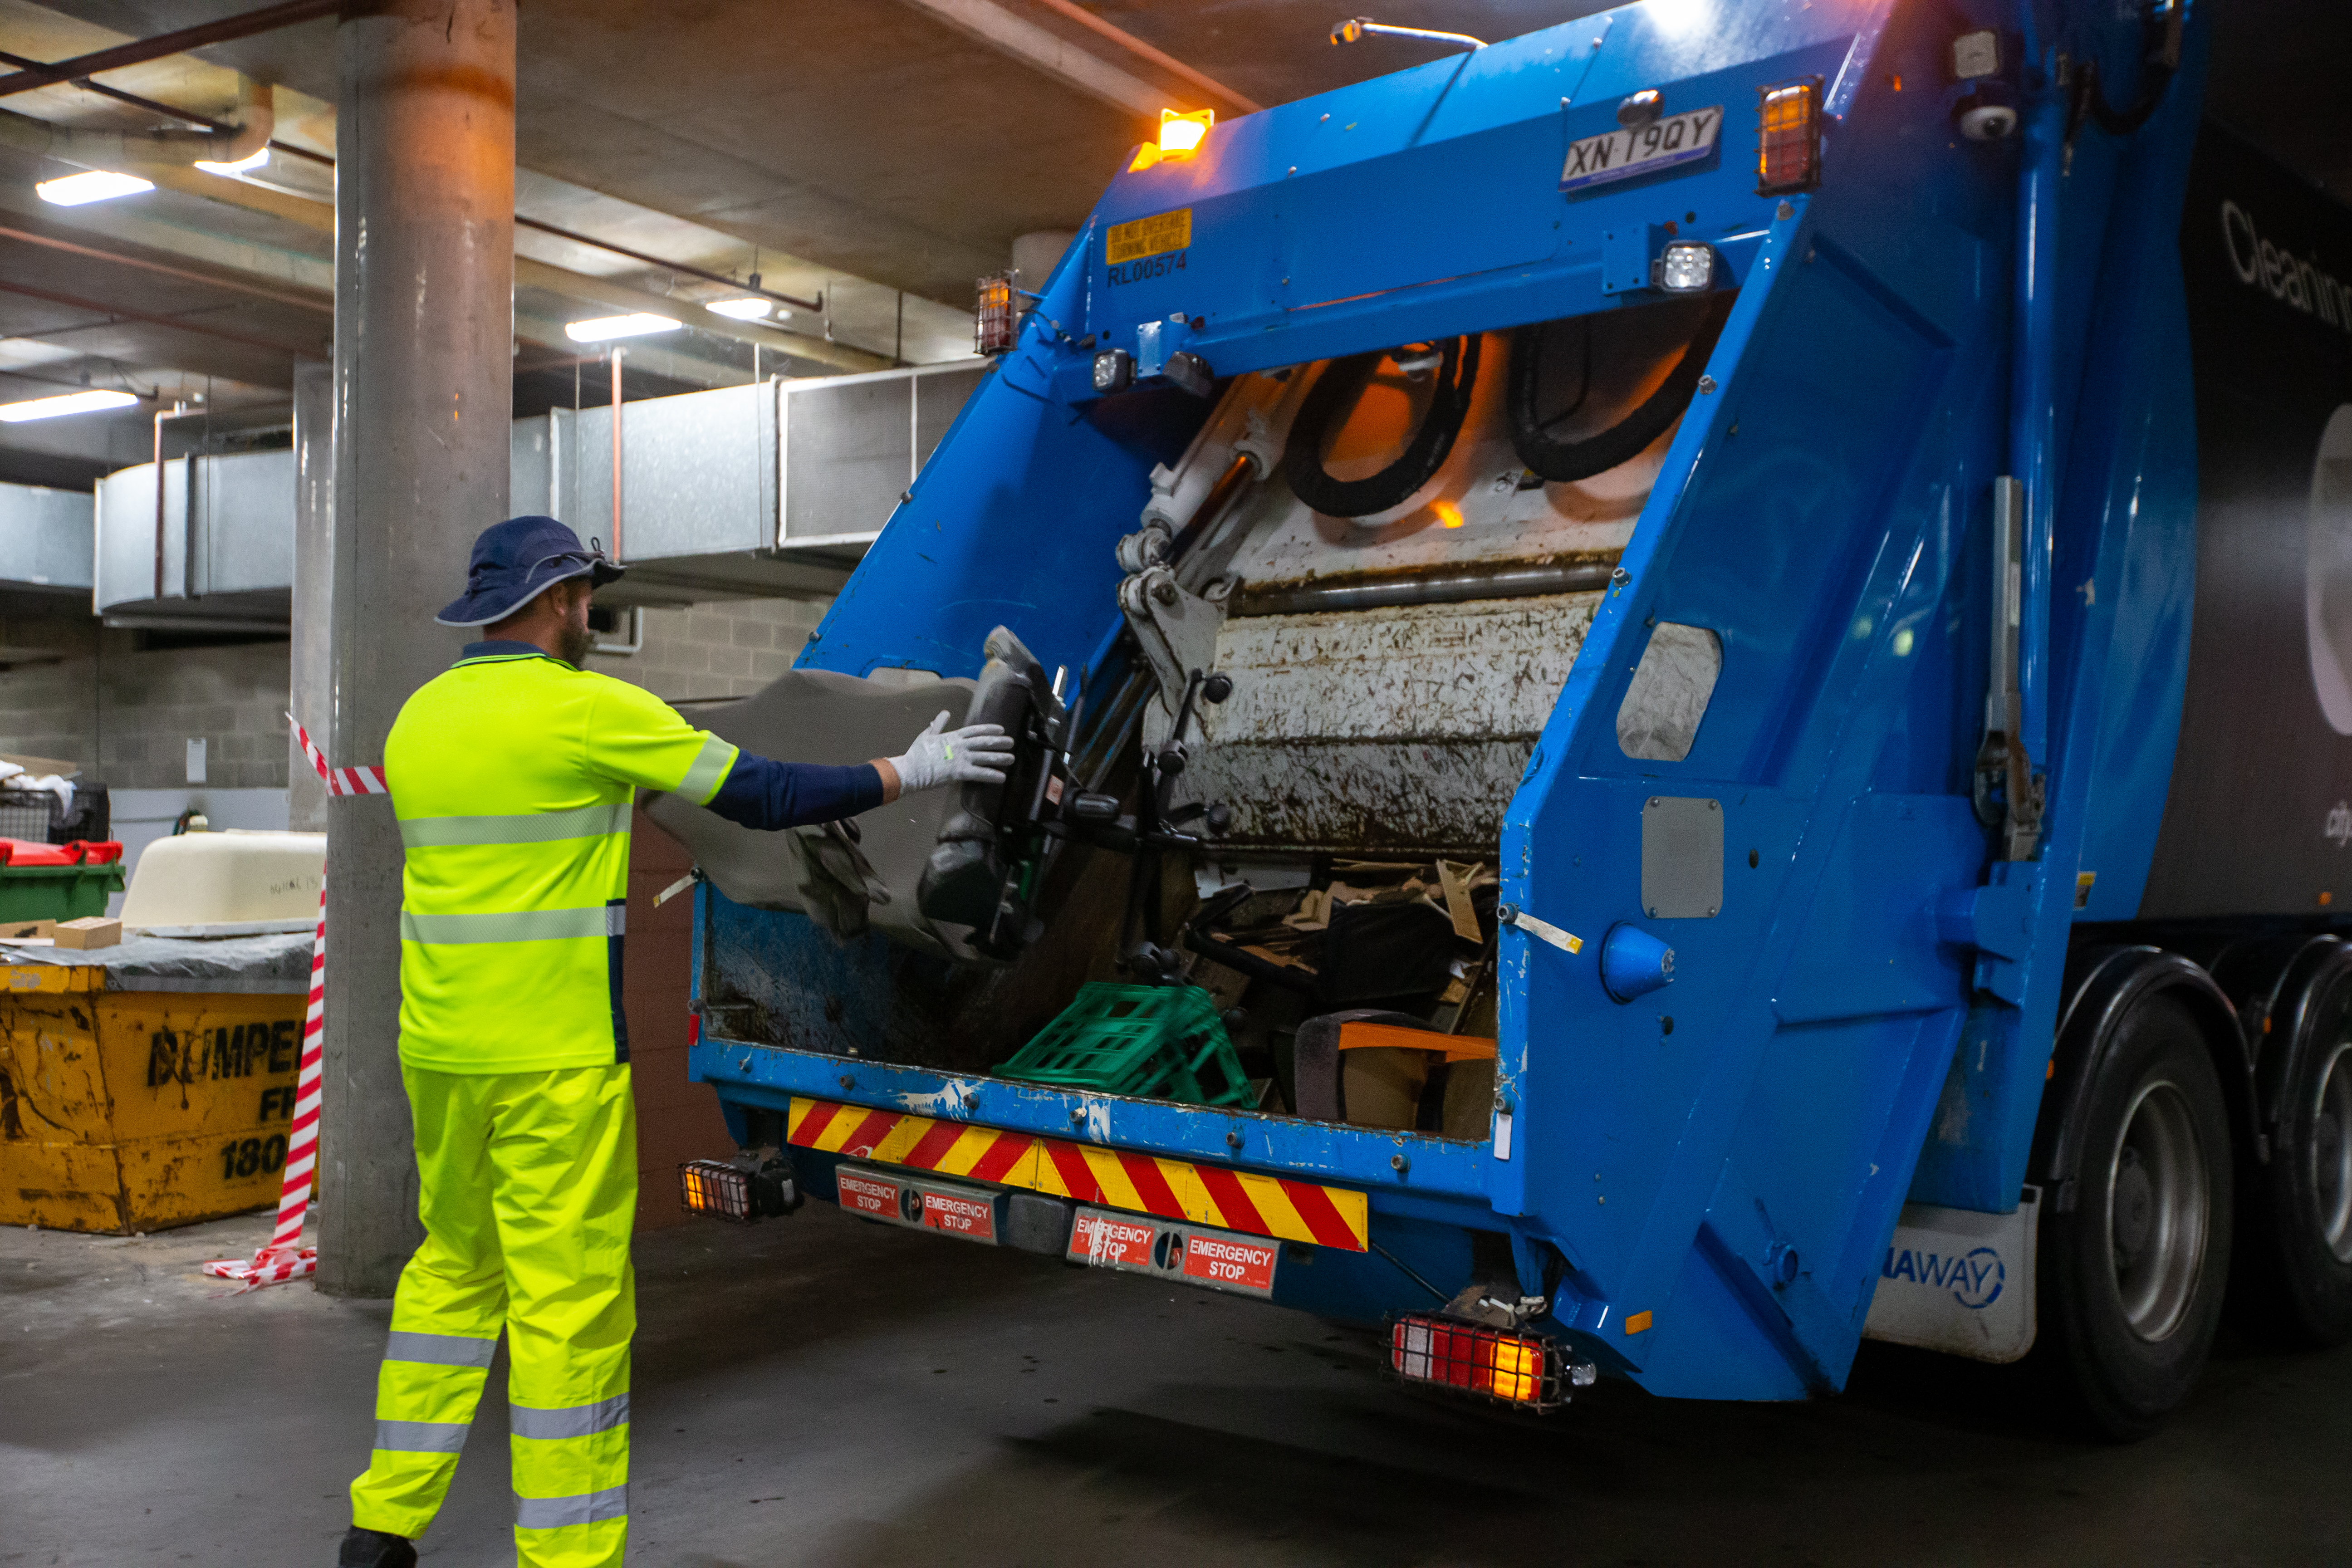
(820, 1391)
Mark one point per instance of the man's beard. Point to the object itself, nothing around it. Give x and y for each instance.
(572, 645)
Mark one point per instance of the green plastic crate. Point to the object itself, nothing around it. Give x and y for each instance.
(1153, 1042)
(56, 892)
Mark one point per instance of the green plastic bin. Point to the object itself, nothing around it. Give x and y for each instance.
(56, 892)
(1153, 1042)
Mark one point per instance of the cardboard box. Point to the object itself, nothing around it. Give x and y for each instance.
(27, 931)
(90, 930)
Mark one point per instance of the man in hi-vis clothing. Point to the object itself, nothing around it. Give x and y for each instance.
(512, 776)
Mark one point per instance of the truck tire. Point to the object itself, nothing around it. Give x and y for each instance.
(2133, 1273)
(2297, 1282)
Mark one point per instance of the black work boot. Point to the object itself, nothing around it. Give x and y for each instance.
(375, 1549)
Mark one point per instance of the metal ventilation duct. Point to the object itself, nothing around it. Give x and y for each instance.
(44, 538)
(765, 492)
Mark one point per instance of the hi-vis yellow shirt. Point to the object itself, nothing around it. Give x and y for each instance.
(512, 775)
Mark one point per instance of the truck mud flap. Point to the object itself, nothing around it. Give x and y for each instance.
(1959, 1281)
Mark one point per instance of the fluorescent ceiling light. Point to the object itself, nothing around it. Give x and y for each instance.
(603, 328)
(69, 403)
(743, 309)
(96, 186)
(250, 161)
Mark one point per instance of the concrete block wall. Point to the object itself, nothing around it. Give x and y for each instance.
(94, 696)
(703, 651)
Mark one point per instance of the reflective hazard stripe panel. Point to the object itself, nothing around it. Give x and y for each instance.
(1114, 1178)
(572, 1421)
(519, 925)
(527, 828)
(709, 772)
(555, 1512)
(439, 1349)
(420, 1437)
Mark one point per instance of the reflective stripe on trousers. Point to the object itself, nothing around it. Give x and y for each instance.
(527, 1191)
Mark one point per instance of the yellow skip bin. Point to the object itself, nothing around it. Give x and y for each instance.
(137, 1109)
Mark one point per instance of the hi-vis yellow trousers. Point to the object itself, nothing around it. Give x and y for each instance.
(527, 1189)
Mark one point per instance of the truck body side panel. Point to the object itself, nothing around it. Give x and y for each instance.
(2256, 822)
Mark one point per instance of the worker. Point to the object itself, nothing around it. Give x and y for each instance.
(512, 774)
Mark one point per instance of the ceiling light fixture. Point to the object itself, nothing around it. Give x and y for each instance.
(93, 185)
(604, 328)
(251, 161)
(743, 309)
(67, 402)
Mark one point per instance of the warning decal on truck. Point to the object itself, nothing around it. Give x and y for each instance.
(1153, 235)
(1246, 1201)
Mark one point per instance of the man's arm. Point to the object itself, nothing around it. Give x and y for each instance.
(767, 795)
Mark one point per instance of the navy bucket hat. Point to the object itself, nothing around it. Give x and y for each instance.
(517, 561)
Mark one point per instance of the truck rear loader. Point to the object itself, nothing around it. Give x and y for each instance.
(1685, 690)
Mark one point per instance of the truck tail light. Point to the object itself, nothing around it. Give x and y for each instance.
(996, 316)
(1789, 146)
(1525, 1370)
(716, 1188)
(734, 1192)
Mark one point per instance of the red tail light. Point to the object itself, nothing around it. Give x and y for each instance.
(1525, 1370)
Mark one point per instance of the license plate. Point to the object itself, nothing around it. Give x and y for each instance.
(1682, 138)
(1219, 1259)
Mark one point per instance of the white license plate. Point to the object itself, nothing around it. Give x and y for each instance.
(1682, 138)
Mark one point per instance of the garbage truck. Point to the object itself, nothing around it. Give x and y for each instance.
(1685, 692)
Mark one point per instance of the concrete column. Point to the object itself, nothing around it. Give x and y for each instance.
(423, 396)
(314, 544)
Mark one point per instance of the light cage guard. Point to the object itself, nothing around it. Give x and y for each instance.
(1526, 1371)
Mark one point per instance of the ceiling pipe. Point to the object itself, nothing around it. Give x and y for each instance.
(210, 281)
(140, 51)
(305, 154)
(119, 313)
(256, 116)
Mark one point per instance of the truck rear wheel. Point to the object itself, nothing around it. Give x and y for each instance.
(2300, 1278)
(2133, 1272)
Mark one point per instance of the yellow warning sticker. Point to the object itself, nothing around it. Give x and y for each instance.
(1154, 235)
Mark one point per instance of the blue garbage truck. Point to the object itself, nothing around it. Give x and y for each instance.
(1685, 689)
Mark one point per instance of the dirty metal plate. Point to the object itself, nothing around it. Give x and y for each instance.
(970, 1212)
(1682, 857)
(1215, 1259)
(1396, 728)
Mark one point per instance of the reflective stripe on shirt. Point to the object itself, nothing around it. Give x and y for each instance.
(709, 772)
(519, 925)
(527, 828)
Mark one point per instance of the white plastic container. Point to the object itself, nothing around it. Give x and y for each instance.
(227, 884)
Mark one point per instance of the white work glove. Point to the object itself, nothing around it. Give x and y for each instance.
(977, 754)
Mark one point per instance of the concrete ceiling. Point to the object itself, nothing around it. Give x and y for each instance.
(878, 154)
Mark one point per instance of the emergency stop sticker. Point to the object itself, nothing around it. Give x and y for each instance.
(864, 1194)
(972, 1218)
(1109, 1239)
(1231, 1263)
(1153, 235)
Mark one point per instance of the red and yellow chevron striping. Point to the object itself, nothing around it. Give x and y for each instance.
(1113, 1178)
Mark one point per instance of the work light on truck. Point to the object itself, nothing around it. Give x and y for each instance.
(1525, 1370)
(1686, 268)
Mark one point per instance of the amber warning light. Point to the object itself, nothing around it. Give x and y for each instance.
(1789, 141)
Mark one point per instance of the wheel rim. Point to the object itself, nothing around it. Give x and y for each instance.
(2157, 1203)
(2331, 1152)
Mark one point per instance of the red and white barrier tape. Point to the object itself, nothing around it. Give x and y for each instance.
(283, 1257)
